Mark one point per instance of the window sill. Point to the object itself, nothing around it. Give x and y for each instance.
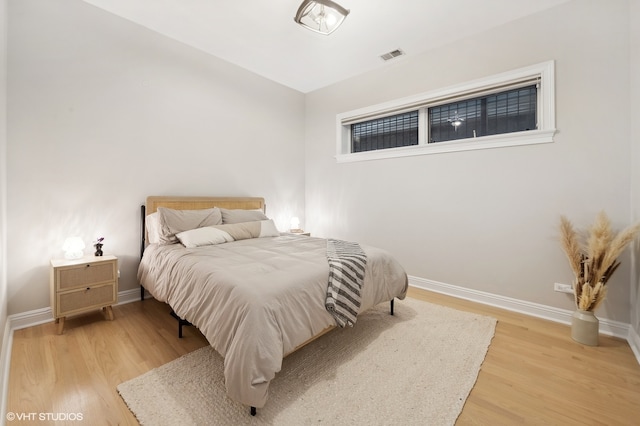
(485, 142)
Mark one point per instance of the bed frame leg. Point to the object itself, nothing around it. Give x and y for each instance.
(141, 293)
(253, 411)
(391, 303)
(181, 323)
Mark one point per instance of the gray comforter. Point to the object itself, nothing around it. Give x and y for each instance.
(257, 300)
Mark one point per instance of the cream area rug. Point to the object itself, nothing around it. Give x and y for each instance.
(416, 367)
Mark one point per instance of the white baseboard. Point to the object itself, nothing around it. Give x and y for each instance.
(634, 342)
(607, 326)
(30, 318)
(5, 363)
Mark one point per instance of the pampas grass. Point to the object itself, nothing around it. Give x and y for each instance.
(594, 261)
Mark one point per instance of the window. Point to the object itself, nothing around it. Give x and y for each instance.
(388, 132)
(504, 112)
(513, 108)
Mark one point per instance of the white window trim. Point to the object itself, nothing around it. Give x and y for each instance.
(544, 133)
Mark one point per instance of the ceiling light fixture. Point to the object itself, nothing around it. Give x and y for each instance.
(321, 16)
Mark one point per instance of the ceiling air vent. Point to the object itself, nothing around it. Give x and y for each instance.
(393, 54)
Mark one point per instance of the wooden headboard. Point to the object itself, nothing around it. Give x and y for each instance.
(197, 203)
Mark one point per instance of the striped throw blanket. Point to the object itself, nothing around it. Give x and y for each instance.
(347, 263)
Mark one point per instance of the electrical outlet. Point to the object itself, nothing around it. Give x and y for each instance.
(563, 288)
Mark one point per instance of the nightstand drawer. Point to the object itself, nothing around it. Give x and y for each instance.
(85, 275)
(83, 299)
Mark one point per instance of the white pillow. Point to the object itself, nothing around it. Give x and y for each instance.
(152, 223)
(211, 235)
(204, 236)
(268, 229)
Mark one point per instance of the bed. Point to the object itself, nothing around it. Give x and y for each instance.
(255, 293)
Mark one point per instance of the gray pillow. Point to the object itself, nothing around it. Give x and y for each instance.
(173, 221)
(240, 216)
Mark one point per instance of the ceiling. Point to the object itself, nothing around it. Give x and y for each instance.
(261, 36)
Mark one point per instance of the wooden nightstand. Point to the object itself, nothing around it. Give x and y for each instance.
(83, 284)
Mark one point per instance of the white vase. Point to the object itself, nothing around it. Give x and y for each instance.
(585, 327)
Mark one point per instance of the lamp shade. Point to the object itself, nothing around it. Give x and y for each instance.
(321, 16)
(73, 248)
(295, 223)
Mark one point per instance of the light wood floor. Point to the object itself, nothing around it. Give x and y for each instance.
(533, 373)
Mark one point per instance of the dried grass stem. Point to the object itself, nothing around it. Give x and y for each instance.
(594, 260)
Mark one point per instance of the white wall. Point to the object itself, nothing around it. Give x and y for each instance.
(487, 220)
(3, 177)
(5, 345)
(102, 113)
